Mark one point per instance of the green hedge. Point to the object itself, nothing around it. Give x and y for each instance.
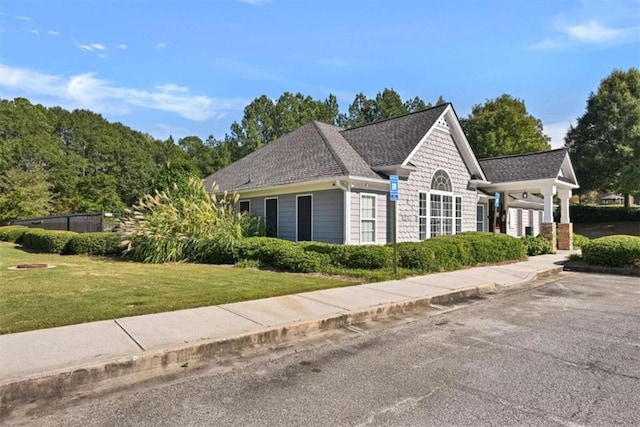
(368, 257)
(48, 241)
(589, 214)
(579, 240)
(447, 253)
(537, 245)
(613, 251)
(98, 243)
(210, 251)
(12, 233)
(280, 254)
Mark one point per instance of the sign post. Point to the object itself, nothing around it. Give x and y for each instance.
(496, 213)
(394, 194)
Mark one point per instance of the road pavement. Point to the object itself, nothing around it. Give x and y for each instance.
(564, 353)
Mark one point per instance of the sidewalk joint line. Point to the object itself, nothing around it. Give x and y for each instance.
(129, 335)
(240, 315)
(322, 302)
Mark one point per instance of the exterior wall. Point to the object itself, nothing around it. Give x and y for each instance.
(513, 224)
(383, 234)
(327, 214)
(438, 152)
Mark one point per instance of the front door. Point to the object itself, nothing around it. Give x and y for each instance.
(271, 217)
(304, 218)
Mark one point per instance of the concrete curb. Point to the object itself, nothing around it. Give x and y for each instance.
(25, 394)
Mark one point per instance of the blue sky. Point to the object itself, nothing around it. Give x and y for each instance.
(189, 67)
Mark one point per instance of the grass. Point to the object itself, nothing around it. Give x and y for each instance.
(595, 230)
(85, 289)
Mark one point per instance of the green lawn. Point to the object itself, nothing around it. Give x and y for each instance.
(84, 289)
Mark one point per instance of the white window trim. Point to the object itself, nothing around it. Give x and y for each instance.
(455, 214)
(297, 197)
(241, 201)
(277, 214)
(427, 216)
(374, 219)
(441, 193)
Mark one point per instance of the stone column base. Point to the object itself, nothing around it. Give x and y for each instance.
(548, 231)
(565, 237)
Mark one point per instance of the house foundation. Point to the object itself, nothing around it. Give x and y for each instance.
(565, 236)
(548, 231)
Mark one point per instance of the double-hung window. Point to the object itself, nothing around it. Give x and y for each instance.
(422, 216)
(367, 218)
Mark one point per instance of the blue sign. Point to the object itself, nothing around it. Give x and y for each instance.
(394, 188)
(496, 202)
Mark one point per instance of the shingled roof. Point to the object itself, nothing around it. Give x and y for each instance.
(524, 167)
(389, 142)
(312, 152)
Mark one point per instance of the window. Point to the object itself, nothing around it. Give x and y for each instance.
(244, 207)
(446, 209)
(480, 217)
(367, 218)
(422, 216)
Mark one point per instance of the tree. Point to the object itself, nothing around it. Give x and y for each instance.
(385, 105)
(265, 120)
(502, 126)
(24, 193)
(605, 143)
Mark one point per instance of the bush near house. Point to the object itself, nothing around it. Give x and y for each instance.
(280, 254)
(12, 233)
(613, 251)
(537, 245)
(369, 257)
(579, 240)
(98, 243)
(46, 241)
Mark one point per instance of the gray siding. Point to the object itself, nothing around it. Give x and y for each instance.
(438, 152)
(328, 214)
(382, 213)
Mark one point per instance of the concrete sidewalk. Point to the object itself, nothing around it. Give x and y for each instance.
(35, 362)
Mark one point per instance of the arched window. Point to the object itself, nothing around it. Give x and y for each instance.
(445, 210)
(441, 181)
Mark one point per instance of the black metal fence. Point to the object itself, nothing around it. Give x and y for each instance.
(80, 223)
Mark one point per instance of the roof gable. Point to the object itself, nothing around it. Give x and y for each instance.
(312, 152)
(529, 167)
(391, 141)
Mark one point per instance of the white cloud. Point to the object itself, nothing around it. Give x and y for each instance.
(53, 33)
(23, 18)
(34, 32)
(161, 45)
(589, 32)
(594, 32)
(122, 46)
(88, 91)
(557, 131)
(97, 46)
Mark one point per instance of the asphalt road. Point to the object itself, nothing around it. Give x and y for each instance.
(566, 353)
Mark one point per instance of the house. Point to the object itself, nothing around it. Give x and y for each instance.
(328, 184)
(610, 199)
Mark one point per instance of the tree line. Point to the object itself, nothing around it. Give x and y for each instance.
(57, 161)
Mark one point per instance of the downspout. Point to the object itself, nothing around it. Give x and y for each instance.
(347, 211)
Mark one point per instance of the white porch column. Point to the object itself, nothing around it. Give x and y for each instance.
(548, 193)
(564, 196)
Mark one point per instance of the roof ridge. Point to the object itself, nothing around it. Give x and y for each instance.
(396, 117)
(330, 147)
(522, 154)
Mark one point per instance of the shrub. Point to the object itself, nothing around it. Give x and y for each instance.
(537, 245)
(183, 225)
(613, 251)
(12, 233)
(491, 248)
(589, 214)
(98, 243)
(280, 254)
(48, 241)
(579, 240)
(415, 256)
(353, 256)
